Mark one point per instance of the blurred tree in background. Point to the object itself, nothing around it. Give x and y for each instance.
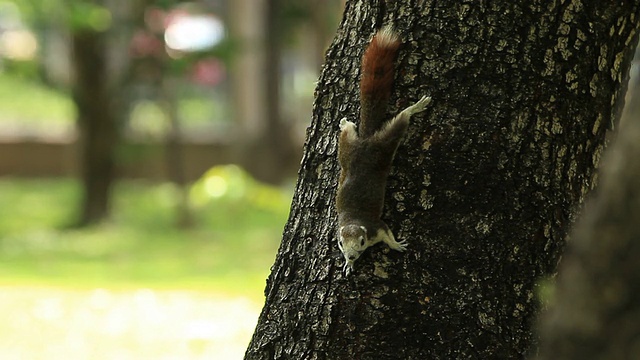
(485, 184)
(95, 93)
(265, 73)
(98, 95)
(138, 72)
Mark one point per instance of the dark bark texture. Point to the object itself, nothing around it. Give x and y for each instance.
(484, 186)
(596, 314)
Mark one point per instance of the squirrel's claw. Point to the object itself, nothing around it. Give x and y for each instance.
(344, 123)
(419, 106)
(398, 245)
(401, 245)
(347, 268)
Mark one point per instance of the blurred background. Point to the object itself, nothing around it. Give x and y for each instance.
(148, 153)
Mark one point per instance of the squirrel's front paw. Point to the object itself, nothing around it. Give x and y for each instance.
(399, 245)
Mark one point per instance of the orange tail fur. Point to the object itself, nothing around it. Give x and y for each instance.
(377, 79)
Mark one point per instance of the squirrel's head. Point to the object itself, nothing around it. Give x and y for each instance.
(352, 241)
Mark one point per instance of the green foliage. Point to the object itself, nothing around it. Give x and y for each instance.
(77, 14)
(231, 251)
(225, 51)
(291, 14)
(31, 10)
(86, 15)
(26, 69)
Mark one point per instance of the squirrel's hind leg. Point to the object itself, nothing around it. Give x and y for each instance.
(419, 106)
(395, 128)
(346, 141)
(348, 130)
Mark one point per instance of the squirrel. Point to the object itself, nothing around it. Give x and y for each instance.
(365, 156)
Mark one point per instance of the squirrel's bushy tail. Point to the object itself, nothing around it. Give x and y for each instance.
(377, 79)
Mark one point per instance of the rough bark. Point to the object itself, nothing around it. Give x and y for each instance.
(484, 187)
(596, 314)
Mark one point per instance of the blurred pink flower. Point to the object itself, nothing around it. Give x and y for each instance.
(146, 44)
(209, 71)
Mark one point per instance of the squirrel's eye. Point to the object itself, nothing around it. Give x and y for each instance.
(361, 241)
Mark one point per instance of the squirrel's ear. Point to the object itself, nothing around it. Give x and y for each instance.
(364, 229)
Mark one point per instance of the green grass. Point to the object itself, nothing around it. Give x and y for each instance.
(230, 250)
(32, 104)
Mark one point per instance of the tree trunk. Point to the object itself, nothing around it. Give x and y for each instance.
(268, 154)
(101, 64)
(175, 159)
(597, 311)
(484, 187)
(98, 129)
